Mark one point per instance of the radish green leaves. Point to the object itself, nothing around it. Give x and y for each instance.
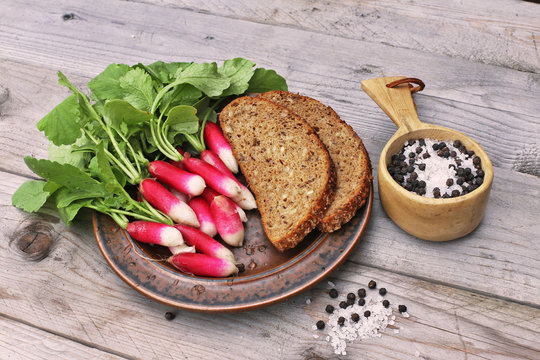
(102, 143)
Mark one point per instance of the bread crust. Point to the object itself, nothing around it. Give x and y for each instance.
(317, 211)
(335, 217)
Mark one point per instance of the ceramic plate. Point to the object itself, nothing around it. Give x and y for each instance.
(269, 276)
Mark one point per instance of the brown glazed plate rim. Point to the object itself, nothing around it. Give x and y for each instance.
(295, 271)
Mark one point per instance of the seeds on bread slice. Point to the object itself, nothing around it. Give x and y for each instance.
(351, 160)
(285, 164)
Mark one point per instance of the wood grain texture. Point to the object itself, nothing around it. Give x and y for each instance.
(27, 342)
(502, 33)
(74, 294)
(473, 298)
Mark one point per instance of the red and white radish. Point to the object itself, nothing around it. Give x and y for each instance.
(204, 243)
(246, 200)
(155, 233)
(209, 195)
(182, 249)
(203, 265)
(202, 210)
(180, 195)
(161, 198)
(215, 141)
(181, 180)
(213, 177)
(227, 220)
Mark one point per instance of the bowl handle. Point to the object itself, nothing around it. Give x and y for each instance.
(393, 95)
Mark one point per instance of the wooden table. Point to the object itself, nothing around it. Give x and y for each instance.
(473, 298)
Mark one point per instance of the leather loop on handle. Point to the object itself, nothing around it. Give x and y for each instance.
(416, 81)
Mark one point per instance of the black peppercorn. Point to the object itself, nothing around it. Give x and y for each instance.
(343, 304)
(435, 146)
(341, 321)
(426, 155)
(408, 187)
(470, 152)
(480, 173)
(440, 153)
(329, 309)
(372, 284)
(411, 161)
(479, 180)
(333, 293)
(455, 193)
(362, 302)
(460, 180)
(457, 144)
(449, 182)
(412, 155)
(367, 313)
(355, 317)
(422, 183)
(386, 303)
(382, 291)
(401, 157)
(410, 169)
(453, 154)
(445, 196)
(320, 324)
(413, 175)
(421, 191)
(411, 141)
(362, 292)
(446, 154)
(419, 149)
(350, 302)
(403, 170)
(169, 315)
(351, 296)
(402, 308)
(422, 167)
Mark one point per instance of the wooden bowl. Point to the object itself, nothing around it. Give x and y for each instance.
(426, 218)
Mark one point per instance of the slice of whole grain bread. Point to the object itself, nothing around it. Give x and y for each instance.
(351, 160)
(285, 164)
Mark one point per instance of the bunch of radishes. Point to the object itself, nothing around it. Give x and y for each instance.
(117, 136)
(203, 198)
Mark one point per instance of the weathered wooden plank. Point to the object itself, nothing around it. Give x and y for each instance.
(73, 293)
(503, 33)
(20, 341)
(97, 36)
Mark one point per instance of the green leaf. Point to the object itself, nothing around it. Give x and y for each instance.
(183, 119)
(264, 80)
(68, 213)
(86, 110)
(184, 94)
(118, 112)
(61, 125)
(68, 154)
(204, 77)
(67, 176)
(166, 71)
(106, 173)
(239, 71)
(106, 86)
(138, 89)
(31, 195)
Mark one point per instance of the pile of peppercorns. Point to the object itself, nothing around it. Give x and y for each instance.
(351, 299)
